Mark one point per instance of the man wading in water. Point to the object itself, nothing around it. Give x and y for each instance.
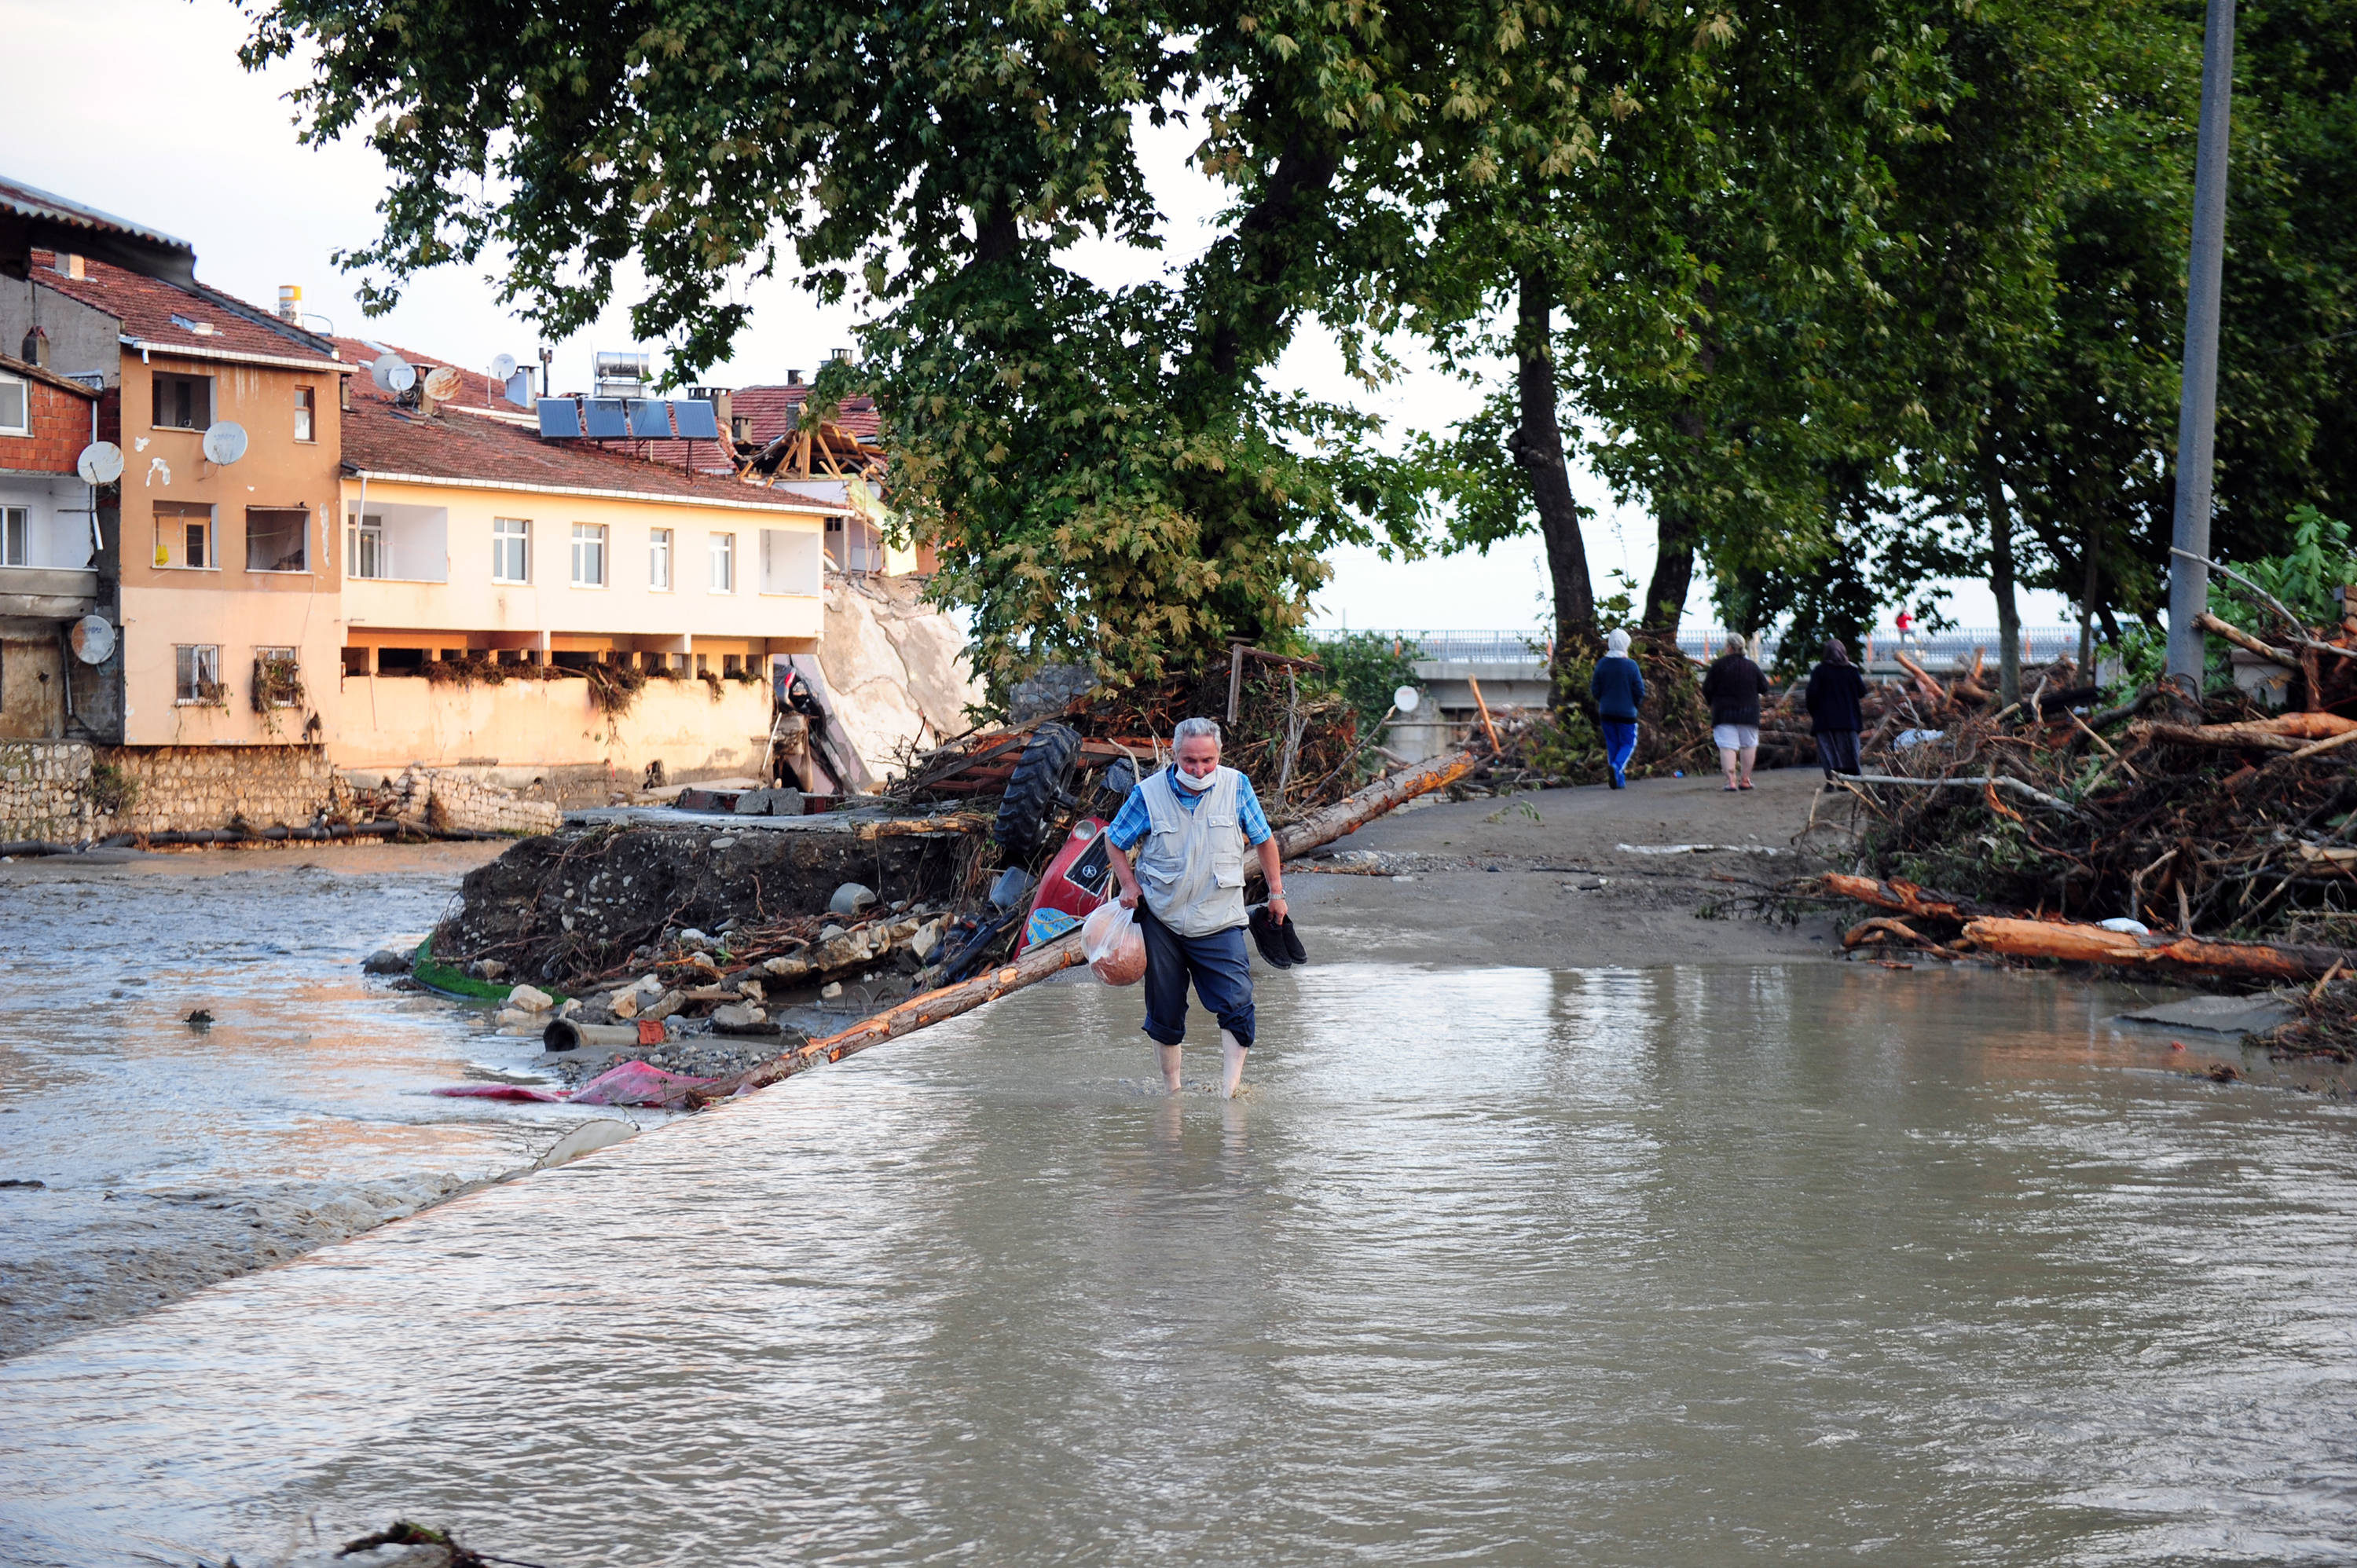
(1194, 818)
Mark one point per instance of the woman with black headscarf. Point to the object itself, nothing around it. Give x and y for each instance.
(1837, 700)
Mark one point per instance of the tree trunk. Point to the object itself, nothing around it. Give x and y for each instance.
(2009, 613)
(1538, 447)
(1673, 565)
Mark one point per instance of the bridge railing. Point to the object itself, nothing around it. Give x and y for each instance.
(2039, 644)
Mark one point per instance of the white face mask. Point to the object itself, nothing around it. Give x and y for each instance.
(1192, 782)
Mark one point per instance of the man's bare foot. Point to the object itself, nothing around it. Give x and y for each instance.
(1170, 1054)
(1232, 1062)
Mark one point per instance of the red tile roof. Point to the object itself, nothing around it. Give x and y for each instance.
(219, 327)
(382, 439)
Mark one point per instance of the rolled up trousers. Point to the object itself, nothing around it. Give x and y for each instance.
(1220, 967)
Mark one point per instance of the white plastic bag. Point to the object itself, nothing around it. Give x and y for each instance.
(1115, 946)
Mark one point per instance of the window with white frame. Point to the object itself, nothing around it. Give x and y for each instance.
(364, 553)
(15, 536)
(511, 550)
(184, 537)
(196, 673)
(588, 554)
(659, 560)
(307, 414)
(724, 563)
(16, 406)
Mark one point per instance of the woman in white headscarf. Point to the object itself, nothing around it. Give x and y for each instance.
(1618, 687)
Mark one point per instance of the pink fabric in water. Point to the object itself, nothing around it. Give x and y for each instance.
(632, 1083)
(635, 1083)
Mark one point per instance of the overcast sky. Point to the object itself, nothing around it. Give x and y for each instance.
(139, 107)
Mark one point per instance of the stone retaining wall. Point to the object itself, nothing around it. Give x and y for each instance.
(191, 787)
(45, 790)
(446, 800)
(50, 789)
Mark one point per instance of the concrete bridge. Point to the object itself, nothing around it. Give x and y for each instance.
(1510, 669)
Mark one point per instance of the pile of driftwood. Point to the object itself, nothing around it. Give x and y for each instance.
(1299, 745)
(1921, 703)
(2210, 822)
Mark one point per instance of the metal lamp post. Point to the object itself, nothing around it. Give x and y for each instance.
(2197, 418)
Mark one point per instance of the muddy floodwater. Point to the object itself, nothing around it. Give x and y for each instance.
(1804, 1264)
(169, 1155)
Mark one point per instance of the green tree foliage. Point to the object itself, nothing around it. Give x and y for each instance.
(1105, 471)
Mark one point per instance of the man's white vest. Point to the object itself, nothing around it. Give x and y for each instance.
(1190, 865)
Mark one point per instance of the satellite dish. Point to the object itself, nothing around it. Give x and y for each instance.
(444, 382)
(392, 372)
(93, 637)
(1408, 699)
(504, 367)
(225, 443)
(100, 463)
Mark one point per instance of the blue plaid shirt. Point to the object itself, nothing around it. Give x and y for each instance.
(1133, 820)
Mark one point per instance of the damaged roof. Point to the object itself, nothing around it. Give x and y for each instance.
(32, 219)
(766, 410)
(478, 439)
(198, 322)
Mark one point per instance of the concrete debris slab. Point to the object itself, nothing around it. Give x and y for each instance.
(2218, 1014)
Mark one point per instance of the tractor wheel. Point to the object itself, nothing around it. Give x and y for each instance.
(1034, 792)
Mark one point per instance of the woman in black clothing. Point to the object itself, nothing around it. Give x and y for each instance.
(1733, 688)
(1837, 700)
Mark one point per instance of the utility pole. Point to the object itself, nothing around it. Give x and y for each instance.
(2197, 418)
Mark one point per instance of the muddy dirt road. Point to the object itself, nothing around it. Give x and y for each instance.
(1570, 878)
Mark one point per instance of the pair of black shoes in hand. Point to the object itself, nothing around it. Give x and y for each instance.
(1278, 942)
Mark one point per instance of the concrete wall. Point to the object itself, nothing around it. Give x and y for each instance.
(895, 667)
(456, 594)
(83, 338)
(522, 729)
(32, 690)
(156, 621)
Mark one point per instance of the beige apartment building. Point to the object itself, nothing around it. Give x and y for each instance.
(498, 585)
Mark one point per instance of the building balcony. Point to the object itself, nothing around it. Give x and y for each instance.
(47, 592)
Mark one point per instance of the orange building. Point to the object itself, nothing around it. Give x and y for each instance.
(216, 563)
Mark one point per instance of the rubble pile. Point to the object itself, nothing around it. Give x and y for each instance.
(570, 907)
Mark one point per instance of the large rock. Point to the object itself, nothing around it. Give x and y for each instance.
(530, 999)
(385, 960)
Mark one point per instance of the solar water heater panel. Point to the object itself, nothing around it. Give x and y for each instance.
(606, 420)
(696, 420)
(650, 419)
(560, 418)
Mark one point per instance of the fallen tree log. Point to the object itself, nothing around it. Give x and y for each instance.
(2027, 792)
(1903, 898)
(1043, 959)
(2245, 640)
(2291, 732)
(966, 822)
(2093, 945)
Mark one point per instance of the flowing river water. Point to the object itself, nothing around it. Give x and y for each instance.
(1796, 1264)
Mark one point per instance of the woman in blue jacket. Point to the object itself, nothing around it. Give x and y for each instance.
(1618, 687)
